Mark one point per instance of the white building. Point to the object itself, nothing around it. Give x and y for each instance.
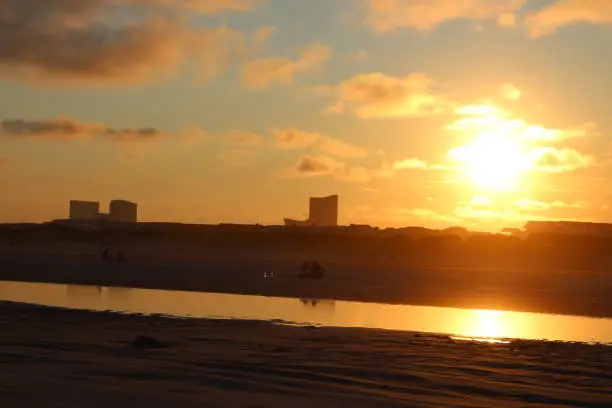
(84, 210)
(123, 211)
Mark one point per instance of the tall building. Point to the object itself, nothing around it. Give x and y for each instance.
(323, 211)
(84, 210)
(123, 211)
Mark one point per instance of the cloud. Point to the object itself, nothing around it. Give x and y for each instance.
(511, 92)
(64, 129)
(529, 204)
(553, 160)
(262, 35)
(260, 73)
(85, 42)
(296, 139)
(416, 164)
(128, 135)
(506, 20)
(425, 15)
(376, 95)
(316, 166)
(337, 147)
(204, 6)
(239, 138)
(567, 12)
(488, 119)
(322, 165)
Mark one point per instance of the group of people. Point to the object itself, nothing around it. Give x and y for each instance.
(106, 256)
(311, 270)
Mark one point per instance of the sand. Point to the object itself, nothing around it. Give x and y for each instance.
(351, 277)
(61, 358)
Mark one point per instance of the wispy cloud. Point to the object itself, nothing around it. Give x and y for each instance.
(488, 119)
(554, 160)
(64, 128)
(562, 13)
(376, 95)
(238, 138)
(416, 164)
(322, 165)
(296, 139)
(293, 138)
(529, 204)
(204, 6)
(340, 148)
(262, 72)
(511, 92)
(425, 15)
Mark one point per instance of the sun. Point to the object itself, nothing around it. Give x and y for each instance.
(492, 161)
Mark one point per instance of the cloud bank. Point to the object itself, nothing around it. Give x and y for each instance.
(121, 42)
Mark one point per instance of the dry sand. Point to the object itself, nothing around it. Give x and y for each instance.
(364, 278)
(60, 358)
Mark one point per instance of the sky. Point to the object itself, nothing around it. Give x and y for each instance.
(479, 113)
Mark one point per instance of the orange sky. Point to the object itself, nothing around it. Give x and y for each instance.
(485, 113)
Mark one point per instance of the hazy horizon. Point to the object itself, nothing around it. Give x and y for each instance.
(485, 115)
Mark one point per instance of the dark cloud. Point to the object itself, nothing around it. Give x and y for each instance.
(120, 41)
(311, 165)
(67, 129)
(61, 128)
(133, 134)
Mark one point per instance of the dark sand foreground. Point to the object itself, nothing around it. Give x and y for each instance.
(370, 279)
(60, 358)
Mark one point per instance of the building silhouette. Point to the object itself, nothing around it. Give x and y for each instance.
(323, 212)
(123, 211)
(84, 210)
(119, 211)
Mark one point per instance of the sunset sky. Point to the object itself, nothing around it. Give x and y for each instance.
(480, 113)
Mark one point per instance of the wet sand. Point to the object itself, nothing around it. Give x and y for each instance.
(370, 279)
(60, 358)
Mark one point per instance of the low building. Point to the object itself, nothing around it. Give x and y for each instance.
(123, 211)
(84, 210)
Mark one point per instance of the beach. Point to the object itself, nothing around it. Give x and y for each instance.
(351, 276)
(60, 358)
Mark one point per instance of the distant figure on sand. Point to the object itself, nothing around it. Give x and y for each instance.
(311, 270)
(105, 254)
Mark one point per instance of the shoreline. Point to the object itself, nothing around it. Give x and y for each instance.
(565, 292)
(180, 288)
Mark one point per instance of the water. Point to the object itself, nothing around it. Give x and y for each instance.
(462, 323)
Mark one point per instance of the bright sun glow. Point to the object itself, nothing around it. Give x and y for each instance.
(497, 155)
(487, 323)
(492, 162)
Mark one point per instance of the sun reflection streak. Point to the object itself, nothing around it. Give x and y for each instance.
(485, 325)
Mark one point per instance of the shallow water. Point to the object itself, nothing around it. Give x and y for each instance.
(487, 325)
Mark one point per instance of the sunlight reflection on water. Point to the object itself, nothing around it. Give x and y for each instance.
(461, 324)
